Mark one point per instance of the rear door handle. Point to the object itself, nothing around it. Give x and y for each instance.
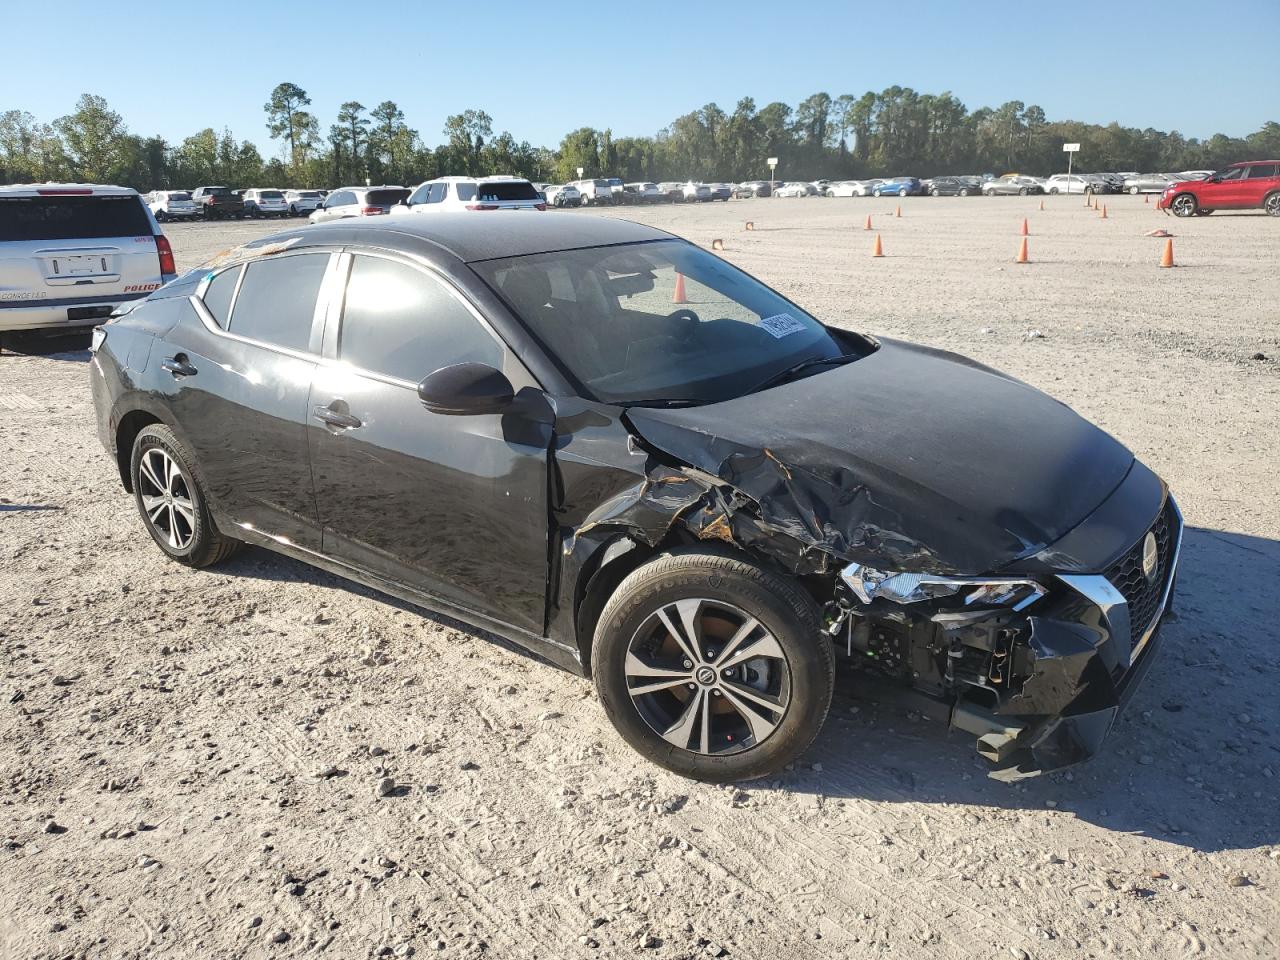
(335, 419)
(178, 366)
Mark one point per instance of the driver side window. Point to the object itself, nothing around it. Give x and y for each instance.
(1234, 173)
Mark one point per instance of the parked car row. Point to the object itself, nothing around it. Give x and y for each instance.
(1011, 184)
(220, 203)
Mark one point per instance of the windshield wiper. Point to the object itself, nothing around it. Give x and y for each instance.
(784, 375)
(666, 402)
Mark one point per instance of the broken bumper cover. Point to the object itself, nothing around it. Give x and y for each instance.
(1084, 670)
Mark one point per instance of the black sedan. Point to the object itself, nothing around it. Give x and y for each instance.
(618, 450)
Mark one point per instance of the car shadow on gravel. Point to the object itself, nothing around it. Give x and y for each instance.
(1192, 761)
(70, 347)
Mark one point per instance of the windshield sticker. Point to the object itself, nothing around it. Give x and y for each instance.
(782, 325)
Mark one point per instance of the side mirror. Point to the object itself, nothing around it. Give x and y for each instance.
(466, 389)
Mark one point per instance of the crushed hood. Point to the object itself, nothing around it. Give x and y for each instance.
(910, 457)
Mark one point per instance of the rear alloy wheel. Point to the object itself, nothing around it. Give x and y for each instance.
(713, 667)
(964, 192)
(171, 501)
(1184, 205)
(1023, 192)
(1272, 204)
(1134, 191)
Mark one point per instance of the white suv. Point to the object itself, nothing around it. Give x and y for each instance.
(358, 202)
(168, 205)
(70, 253)
(594, 191)
(303, 201)
(260, 202)
(473, 193)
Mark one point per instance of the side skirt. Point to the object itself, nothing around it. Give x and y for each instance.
(562, 656)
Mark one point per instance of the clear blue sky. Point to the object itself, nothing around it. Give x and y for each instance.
(541, 70)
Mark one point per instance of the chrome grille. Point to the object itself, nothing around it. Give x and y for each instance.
(1143, 596)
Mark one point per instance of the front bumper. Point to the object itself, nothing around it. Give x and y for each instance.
(1086, 666)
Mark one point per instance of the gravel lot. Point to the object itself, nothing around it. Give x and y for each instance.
(191, 761)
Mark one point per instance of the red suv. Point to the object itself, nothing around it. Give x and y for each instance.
(1241, 186)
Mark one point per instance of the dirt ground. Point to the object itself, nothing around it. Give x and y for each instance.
(190, 761)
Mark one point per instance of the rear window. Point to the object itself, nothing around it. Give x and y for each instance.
(179, 196)
(508, 190)
(271, 195)
(218, 191)
(72, 218)
(385, 198)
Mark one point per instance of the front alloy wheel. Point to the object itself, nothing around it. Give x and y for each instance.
(706, 676)
(1184, 205)
(712, 666)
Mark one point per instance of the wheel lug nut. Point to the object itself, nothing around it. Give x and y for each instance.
(693, 686)
(688, 664)
(715, 693)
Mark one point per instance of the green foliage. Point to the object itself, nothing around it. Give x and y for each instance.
(895, 132)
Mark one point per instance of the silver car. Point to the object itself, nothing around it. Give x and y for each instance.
(562, 196)
(71, 253)
(1149, 182)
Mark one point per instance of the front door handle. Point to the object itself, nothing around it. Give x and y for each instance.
(178, 366)
(336, 418)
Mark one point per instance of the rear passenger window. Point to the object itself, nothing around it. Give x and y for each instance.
(465, 191)
(400, 322)
(278, 298)
(1260, 171)
(217, 297)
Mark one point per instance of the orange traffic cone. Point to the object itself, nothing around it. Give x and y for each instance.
(898, 212)
(1022, 253)
(1146, 198)
(1167, 259)
(1103, 214)
(877, 250)
(1042, 206)
(751, 225)
(868, 226)
(1025, 231)
(678, 296)
(717, 244)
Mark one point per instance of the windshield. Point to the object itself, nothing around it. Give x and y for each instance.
(660, 321)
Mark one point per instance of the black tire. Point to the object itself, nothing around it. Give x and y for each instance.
(787, 615)
(935, 192)
(206, 545)
(1134, 191)
(1271, 204)
(964, 191)
(1022, 192)
(1053, 190)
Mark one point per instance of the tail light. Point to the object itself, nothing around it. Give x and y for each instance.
(64, 192)
(539, 206)
(371, 211)
(482, 206)
(166, 254)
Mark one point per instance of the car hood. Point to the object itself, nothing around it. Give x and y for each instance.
(911, 458)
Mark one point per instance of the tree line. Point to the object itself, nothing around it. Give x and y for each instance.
(897, 132)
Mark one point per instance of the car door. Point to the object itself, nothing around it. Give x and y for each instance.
(237, 380)
(1259, 180)
(451, 506)
(1224, 190)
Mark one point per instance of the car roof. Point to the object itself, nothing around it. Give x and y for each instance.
(471, 237)
(1245, 163)
(66, 189)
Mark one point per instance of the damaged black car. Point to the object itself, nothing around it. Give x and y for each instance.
(618, 450)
